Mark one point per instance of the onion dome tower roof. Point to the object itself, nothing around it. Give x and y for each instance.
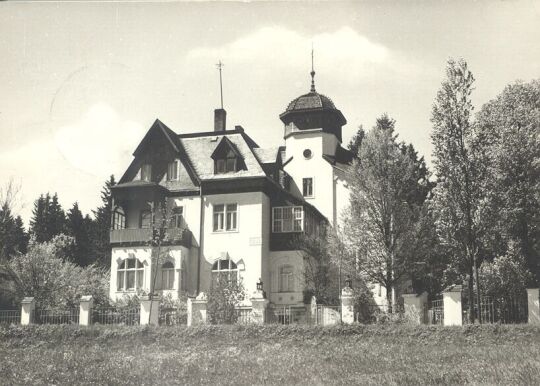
(313, 111)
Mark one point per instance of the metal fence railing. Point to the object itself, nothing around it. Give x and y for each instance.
(324, 315)
(54, 316)
(498, 310)
(286, 315)
(113, 315)
(172, 317)
(10, 316)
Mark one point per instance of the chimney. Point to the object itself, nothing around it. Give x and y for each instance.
(220, 118)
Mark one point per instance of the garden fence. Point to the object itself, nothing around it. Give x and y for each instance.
(10, 316)
(56, 316)
(114, 315)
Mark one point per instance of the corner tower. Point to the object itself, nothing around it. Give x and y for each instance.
(313, 136)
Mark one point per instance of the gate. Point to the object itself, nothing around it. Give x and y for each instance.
(434, 312)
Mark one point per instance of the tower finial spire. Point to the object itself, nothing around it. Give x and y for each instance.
(219, 65)
(312, 71)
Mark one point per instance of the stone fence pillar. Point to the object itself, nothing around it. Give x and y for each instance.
(453, 313)
(534, 307)
(258, 307)
(347, 305)
(415, 305)
(28, 306)
(85, 310)
(196, 310)
(149, 310)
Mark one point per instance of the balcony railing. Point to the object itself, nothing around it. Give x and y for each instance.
(179, 236)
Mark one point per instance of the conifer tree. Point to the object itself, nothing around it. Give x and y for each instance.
(79, 228)
(102, 225)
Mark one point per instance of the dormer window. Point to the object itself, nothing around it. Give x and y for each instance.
(146, 172)
(227, 158)
(226, 165)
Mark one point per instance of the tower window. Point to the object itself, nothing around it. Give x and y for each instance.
(307, 153)
(307, 187)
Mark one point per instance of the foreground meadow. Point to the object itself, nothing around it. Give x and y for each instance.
(284, 355)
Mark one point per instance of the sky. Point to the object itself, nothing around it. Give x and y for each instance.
(82, 82)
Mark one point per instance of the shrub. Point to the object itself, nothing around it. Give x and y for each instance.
(54, 282)
(224, 296)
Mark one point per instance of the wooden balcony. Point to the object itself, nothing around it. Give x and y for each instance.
(142, 236)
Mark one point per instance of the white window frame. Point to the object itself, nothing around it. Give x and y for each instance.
(173, 170)
(312, 187)
(122, 275)
(296, 214)
(220, 218)
(230, 271)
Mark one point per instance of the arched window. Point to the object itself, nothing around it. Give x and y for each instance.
(167, 276)
(119, 218)
(286, 279)
(146, 218)
(130, 275)
(224, 269)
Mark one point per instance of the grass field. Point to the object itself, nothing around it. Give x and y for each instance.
(283, 355)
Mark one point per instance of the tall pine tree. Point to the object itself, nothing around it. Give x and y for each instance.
(48, 218)
(79, 228)
(102, 225)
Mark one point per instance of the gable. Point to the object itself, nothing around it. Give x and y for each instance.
(158, 148)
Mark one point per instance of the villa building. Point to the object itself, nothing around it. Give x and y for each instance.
(229, 206)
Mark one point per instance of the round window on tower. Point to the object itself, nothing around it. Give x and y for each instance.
(307, 154)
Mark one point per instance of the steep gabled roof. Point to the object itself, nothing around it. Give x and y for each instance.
(162, 128)
(159, 128)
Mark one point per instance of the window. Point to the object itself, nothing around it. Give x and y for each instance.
(172, 170)
(177, 217)
(287, 219)
(286, 279)
(146, 172)
(226, 165)
(167, 275)
(307, 154)
(307, 187)
(146, 219)
(225, 217)
(119, 218)
(224, 269)
(130, 275)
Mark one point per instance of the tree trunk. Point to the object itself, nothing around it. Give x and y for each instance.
(471, 296)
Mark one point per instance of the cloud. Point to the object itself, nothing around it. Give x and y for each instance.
(100, 142)
(343, 52)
